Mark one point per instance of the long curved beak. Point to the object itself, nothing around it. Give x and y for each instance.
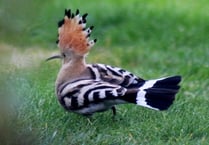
(54, 57)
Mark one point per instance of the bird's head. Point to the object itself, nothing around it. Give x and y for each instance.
(73, 37)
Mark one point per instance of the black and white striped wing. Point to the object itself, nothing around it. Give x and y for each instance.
(115, 75)
(89, 96)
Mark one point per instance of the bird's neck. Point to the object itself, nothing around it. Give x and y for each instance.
(71, 70)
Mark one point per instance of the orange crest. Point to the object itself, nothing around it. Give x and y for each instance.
(73, 34)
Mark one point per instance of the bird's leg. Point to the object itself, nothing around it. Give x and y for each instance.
(113, 110)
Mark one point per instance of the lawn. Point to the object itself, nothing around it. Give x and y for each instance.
(149, 38)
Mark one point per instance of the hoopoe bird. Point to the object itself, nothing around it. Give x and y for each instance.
(89, 88)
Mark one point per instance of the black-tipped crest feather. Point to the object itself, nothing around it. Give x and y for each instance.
(84, 21)
(68, 13)
(92, 27)
(72, 15)
(77, 12)
(61, 22)
(84, 16)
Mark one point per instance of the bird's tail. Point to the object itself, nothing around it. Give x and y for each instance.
(156, 94)
(73, 34)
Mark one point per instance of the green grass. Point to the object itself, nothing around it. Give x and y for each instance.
(149, 38)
